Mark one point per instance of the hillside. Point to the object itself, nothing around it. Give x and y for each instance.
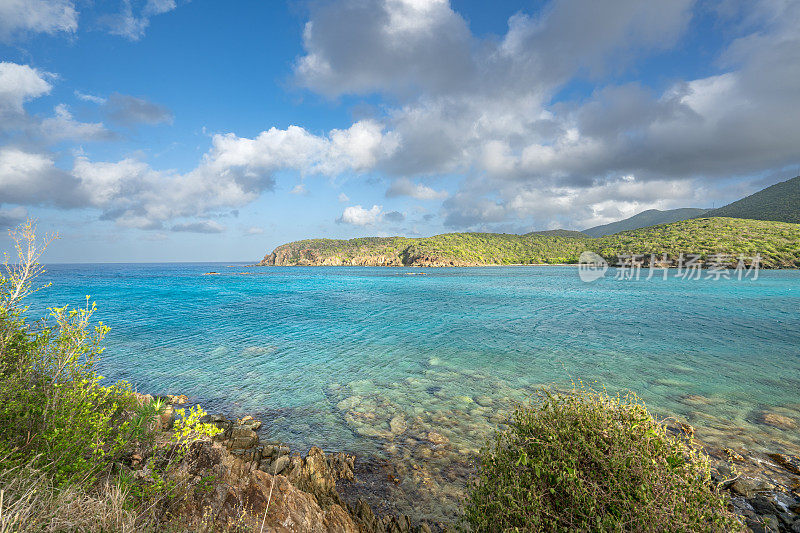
(779, 202)
(651, 217)
(777, 242)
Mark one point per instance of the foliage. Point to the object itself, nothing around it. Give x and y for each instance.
(779, 202)
(54, 412)
(189, 426)
(777, 242)
(589, 462)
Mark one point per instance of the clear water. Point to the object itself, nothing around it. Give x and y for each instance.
(329, 356)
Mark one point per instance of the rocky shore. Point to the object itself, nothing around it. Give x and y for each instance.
(235, 481)
(248, 482)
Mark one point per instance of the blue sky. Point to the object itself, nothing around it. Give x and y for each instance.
(169, 130)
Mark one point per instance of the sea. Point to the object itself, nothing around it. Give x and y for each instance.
(414, 369)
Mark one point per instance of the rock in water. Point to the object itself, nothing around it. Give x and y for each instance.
(398, 425)
(777, 420)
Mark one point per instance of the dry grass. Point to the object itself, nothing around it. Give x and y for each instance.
(31, 503)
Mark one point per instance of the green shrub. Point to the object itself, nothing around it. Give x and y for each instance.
(55, 415)
(589, 462)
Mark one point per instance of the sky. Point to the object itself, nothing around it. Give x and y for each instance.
(177, 130)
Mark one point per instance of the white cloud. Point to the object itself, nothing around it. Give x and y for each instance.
(90, 98)
(132, 23)
(343, 198)
(254, 230)
(36, 16)
(460, 104)
(299, 189)
(485, 108)
(19, 84)
(358, 216)
(63, 127)
(405, 187)
(31, 178)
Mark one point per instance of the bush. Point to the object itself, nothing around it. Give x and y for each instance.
(55, 416)
(586, 461)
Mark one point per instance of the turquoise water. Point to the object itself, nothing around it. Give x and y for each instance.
(329, 356)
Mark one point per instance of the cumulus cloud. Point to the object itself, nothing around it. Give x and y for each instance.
(31, 178)
(62, 126)
(489, 109)
(232, 173)
(405, 187)
(36, 16)
(393, 45)
(358, 216)
(19, 84)
(494, 113)
(569, 206)
(130, 110)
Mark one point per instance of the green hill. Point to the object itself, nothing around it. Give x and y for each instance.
(777, 242)
(651, 217)
(780, 202)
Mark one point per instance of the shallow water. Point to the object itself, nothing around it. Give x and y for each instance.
(329, 356)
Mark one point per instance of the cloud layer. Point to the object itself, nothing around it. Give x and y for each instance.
(489, 112)
(487, 108)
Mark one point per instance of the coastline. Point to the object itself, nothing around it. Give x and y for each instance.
(763, 487)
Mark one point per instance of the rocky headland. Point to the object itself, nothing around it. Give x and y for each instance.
(775, 242)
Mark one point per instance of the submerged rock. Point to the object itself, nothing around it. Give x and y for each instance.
(777, 420)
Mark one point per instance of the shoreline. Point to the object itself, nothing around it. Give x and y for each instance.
(763, 486)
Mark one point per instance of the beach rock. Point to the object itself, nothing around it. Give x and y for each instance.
(142, 399)
(744, 487)
(177, 399)
(279, 465)
(789, 462)
(250, 422)
(242, 438)
(342, 466)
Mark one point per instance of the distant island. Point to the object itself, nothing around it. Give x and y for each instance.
(764, 223)
(778, 244)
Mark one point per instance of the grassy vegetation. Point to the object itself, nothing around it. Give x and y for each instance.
(585, 461)
(779, 202)
(65, 436)
(777, 242)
